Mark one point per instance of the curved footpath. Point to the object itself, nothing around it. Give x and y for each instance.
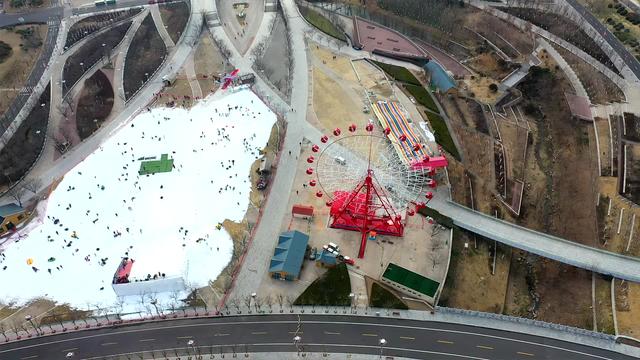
(333, 333)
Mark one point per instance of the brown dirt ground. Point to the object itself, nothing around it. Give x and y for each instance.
(605, 145)
(333, 107)
(479, 87)
(604, 311)
(487, 65)
(15, 70)
(522, 41)
(628, 308)
(208, 61)
(470, 284)
(11, 10)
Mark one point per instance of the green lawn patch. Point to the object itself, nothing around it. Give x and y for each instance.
(383, 298)
(398, 73)
(441, 132)
(423, 97)
(333, 289)
(156, 166)
(322, 23)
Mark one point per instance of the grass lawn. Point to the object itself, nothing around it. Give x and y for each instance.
(333, 288)
(443, 137)
(322, 23)
(398, 73)
(423, 97)
(383, 298)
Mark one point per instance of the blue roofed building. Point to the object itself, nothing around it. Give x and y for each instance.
(289, 255)
(327, 258)
(440, 79)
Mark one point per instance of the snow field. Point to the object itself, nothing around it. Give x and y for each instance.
(166, 222)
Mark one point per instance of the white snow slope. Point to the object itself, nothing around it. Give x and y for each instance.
(160, 217)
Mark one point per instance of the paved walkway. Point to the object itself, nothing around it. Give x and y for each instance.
(162, 30)
(568, 252)
(256, 263)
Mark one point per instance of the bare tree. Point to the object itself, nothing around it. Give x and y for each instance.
(257, 302)
(235, 303)
(33, 185)
(435, 258)
(269, 301)
(247, 301)
(17, 194)
(280, 300)
(290, 300)
(118, 306)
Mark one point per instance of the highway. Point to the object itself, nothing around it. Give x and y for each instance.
(330, 333)
(619, 48)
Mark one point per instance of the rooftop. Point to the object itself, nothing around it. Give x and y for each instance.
(413, 281)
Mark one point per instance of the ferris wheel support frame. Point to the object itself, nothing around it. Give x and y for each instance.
(380, 218)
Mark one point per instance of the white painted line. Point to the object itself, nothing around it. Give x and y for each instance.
(146, 340)
(258, 332)
(484, 347)
(109, 343)
(29, 357)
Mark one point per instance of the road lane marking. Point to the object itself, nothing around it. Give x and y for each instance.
(524, 353)
(258, 333)
(484, 347)
(109, 343)
(366, 334)
(220, 334)
(445, 342)
(29, 357)
(184, 337)
(293, 322)
(69, 350)
(407, 337)
(146, 340)
(296, 332)
(331, 333)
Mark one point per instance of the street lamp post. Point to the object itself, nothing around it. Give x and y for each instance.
(30, 320)
(191, 343)
(253, 296)
(352, 297)
(154, 302)
(297, 341)
(382, 343)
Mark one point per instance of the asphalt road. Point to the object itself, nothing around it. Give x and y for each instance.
(269, 333)
(619, 48)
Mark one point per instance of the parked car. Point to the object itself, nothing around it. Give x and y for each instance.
(349, 261)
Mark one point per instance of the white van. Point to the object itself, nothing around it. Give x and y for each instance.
(340, 160)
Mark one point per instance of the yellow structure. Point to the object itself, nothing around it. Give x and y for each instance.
(11, 215)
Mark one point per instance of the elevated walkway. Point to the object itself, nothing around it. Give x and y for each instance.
(549, 246)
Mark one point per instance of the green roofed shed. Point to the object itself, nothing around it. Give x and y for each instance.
(411, 280)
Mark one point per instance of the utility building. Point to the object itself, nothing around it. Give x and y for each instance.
(289, 255)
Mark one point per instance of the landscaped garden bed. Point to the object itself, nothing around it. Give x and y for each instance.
(26, 144)
(90, 53)
(91, 24)
(145, 55)
(95, 104)
(175, 16)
